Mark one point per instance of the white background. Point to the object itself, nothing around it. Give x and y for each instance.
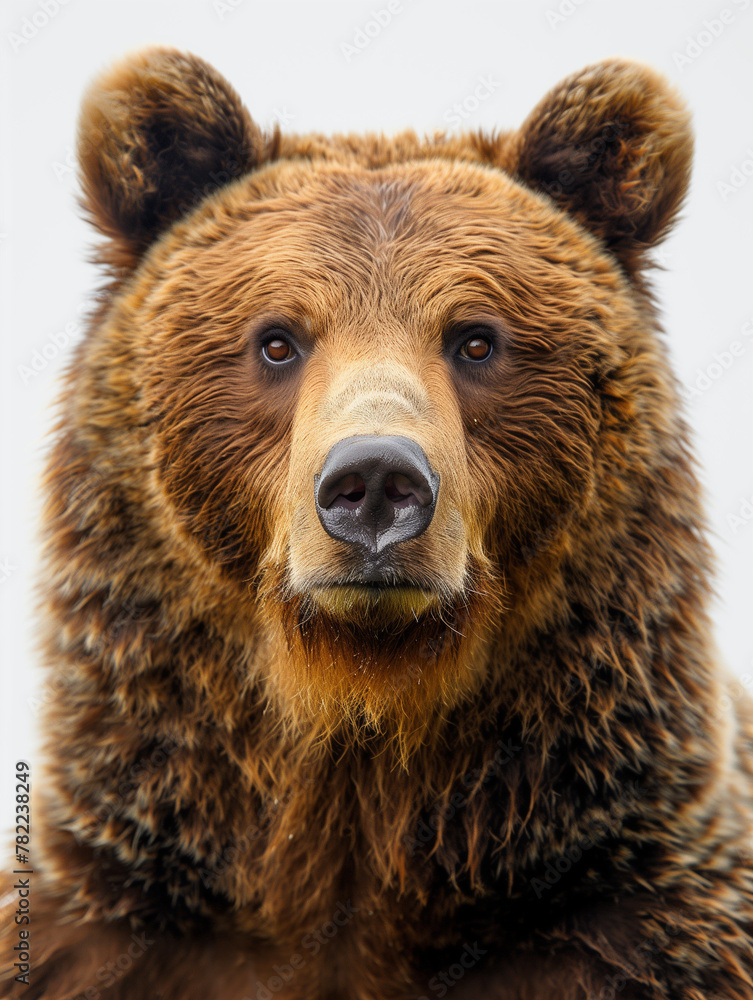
(287, 61)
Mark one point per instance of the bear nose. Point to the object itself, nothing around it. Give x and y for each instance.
(375, 491)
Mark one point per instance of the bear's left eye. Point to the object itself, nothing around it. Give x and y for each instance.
(476, 349)
(278, 350)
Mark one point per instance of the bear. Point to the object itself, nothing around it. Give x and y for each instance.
(375, 609)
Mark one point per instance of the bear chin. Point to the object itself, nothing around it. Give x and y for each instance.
(375, 603)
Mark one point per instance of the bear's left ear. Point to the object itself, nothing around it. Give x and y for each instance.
(612, 146)
(157, 133)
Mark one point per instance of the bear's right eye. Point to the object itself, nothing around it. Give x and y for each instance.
(476, 349)
(277, 351)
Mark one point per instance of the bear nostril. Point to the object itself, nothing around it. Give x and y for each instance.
(350, 492)
(400, 491)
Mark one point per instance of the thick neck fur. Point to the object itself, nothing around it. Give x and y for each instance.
(197, 795)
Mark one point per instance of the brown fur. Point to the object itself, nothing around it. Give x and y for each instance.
(524, 768)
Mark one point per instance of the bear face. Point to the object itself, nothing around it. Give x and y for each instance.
(376, 573)
(372, 270)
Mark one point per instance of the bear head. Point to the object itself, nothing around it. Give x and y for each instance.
(378, 410)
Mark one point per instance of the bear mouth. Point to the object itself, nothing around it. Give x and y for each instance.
(372, 588)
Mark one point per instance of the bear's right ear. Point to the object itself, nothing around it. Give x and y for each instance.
(612, 146)
(157, 133)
